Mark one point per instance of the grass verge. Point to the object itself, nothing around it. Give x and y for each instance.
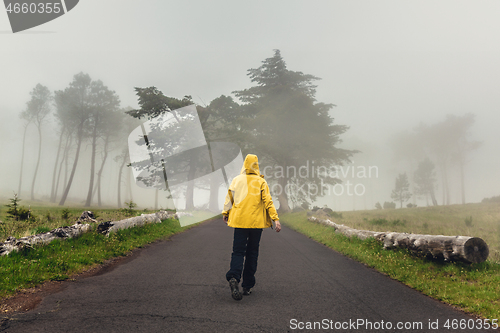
(60, 259)
(472, 288)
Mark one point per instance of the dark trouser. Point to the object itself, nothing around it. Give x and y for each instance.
(244, 257)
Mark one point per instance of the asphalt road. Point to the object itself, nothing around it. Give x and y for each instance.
(179, 286)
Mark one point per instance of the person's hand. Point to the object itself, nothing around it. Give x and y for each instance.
(224, 217)
(278, 226)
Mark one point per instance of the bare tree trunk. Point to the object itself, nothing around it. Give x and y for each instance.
(22, 161)
(69, 140)
(94, 191)
(462, 181)
(37, 162)
(66, 166)
(214, 195)
(120, 173)
(88, 202)
(444, 179)
(447, 187)
(190, 195)
(190, 185)
(129, 184)
(282, 197)
(75, 163)
(54, 173)
(156, 199)
(99, 175)
(433, 198)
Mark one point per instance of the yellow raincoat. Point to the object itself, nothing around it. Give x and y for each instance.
(248, 202)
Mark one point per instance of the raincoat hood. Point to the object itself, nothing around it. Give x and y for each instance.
(248, 203)
(251, 165)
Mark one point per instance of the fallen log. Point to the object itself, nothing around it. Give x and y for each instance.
(81, 226)
(450, 248)
(113, 226)
(14, 244)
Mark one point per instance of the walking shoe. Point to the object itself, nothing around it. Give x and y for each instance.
(235, 291)
(247, 291)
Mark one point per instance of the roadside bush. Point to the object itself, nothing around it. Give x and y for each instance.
(336, 215)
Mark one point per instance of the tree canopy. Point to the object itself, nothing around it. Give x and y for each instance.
(401, 190)
(288, 128)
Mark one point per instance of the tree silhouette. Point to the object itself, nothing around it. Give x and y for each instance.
(425, 180)
(287, 128)
(37, 110)
(78, 105)
(401, 190)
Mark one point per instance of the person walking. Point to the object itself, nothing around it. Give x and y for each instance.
(248, 209)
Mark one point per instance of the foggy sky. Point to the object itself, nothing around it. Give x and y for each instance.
(386, 65)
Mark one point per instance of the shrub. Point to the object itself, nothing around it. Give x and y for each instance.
(65, 214)
(389, 205)
(378, 205)
(24, 214)
(19, 213)
(492, 199)
(379, 222)
(336, 215)
(13, 211)
(398, 222)
(382, 221)
(130, 207)
(327, 210)
(468, 221)
(49, 217)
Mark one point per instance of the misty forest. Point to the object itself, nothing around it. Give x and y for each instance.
(278, 118)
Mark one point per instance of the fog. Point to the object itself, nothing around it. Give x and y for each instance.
(388, 66)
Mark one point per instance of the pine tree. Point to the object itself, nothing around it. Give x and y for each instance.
(425, 180)
(287, 128)
(401, 190)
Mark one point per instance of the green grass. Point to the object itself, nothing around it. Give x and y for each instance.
(60, 259)
(473, 288)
